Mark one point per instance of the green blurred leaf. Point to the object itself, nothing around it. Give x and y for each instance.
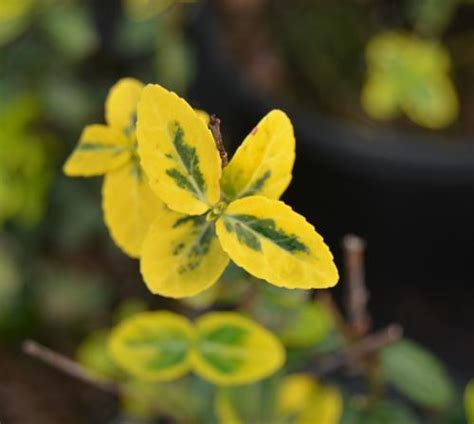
(307, 325)
(252, 403)
(174, 60)
(67, 102)
(417, 373)
(68, 297)
(187, 400)
(134, 38)
(94, 355)
(432, 17)
(71, 30)
(386, 412)
(25, 162)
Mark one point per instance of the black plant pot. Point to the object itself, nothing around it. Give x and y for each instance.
(411, 197)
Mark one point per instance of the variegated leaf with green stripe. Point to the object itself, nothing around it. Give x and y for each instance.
(232, 349)
(153, 345)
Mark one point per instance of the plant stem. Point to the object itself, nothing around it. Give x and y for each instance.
(215, 127)
(66, 365)
(357, 295)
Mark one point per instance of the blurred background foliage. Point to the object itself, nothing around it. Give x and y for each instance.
(63, 281)
(326, 60)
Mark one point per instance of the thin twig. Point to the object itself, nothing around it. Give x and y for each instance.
(215, 127)
(357, 295)
(359, 350)
(66, 365)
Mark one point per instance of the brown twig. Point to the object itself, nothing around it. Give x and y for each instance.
(215, 127)
(365, 347)
(66, 365)
(356, 295)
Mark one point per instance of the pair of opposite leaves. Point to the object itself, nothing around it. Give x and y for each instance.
(224, 348)
(167, 200)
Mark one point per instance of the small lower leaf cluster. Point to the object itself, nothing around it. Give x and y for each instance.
(224, 348)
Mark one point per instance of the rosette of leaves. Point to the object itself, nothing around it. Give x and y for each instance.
(167, 199)
(128, 203)
(411, 75)
(211, 214)
(224, 348)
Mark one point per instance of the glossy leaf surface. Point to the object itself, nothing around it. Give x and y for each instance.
(181, 255)
(178, 152)
(271, 241)
(262, 164)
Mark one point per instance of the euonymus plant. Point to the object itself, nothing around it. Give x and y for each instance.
(168, 200)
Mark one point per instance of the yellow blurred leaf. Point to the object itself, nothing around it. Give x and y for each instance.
(224, 409)
(232, 349)
(121, 104)
(302, 397)
(101, 149)
(410, 74)
(294, 393)
(153, 346)
(129, 206)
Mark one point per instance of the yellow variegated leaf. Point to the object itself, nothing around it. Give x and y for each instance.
(271, 241)
(181, 255)
(101, 149)
(130, 206)
(178, 152)
(231, 349)
(153, 345)
(262, 164)
(121, 104)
